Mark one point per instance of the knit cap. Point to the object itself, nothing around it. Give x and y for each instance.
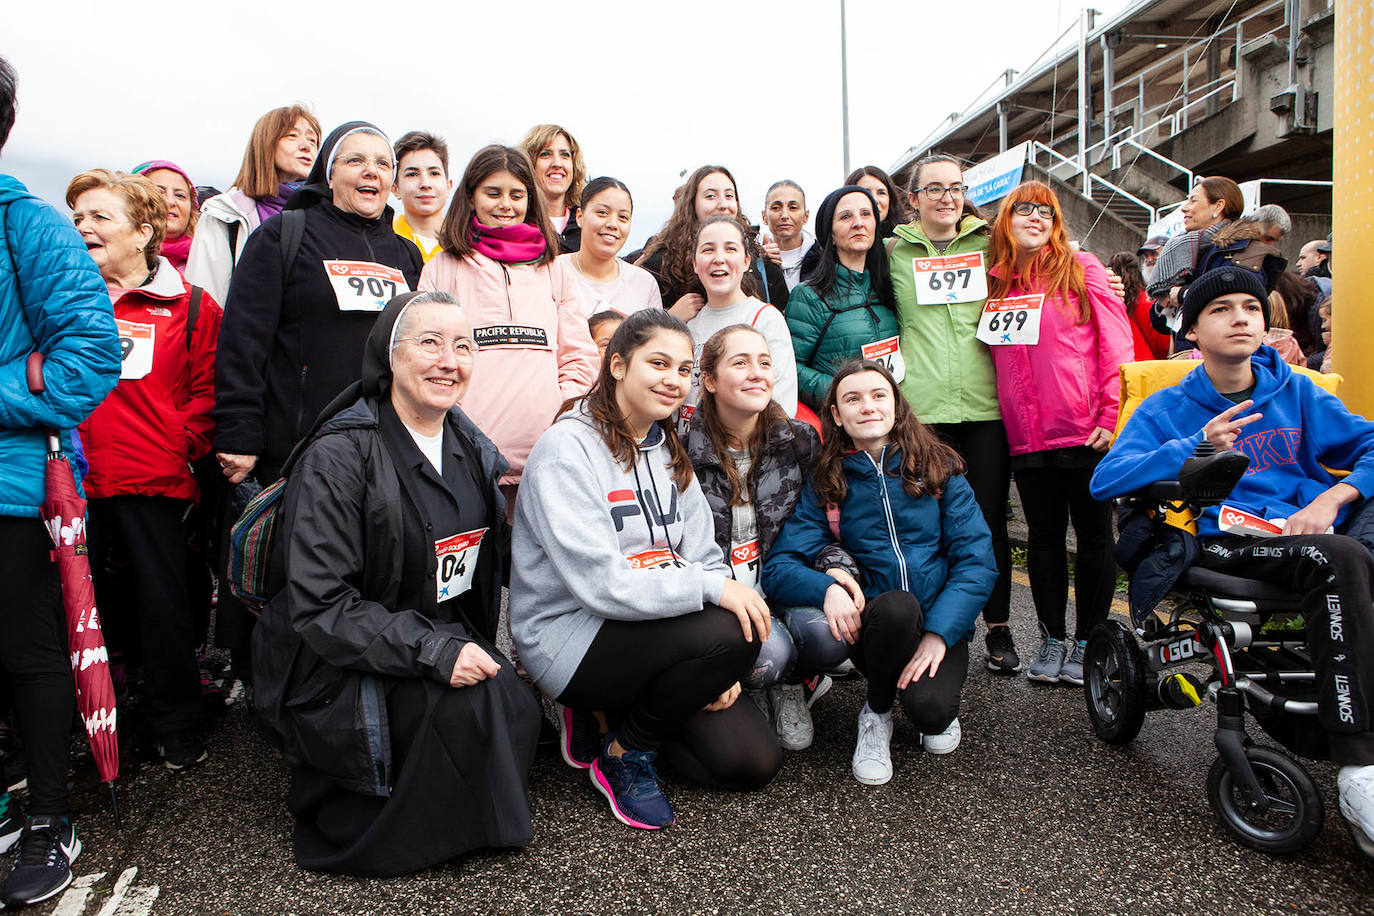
(1219, 282)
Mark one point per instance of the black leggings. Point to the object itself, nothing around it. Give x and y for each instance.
(890, 628)
(654, 676)
(1050, 497)
(33, 654)
(1335, 576)
(983, 446)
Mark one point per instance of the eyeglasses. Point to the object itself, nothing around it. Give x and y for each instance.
(936, 192)
(380, 163)
(1026, 208)
(465, 348)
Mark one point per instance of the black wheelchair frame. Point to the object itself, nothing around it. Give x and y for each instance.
(1263, 798)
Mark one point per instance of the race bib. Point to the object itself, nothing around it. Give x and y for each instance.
(653, 559)
(889, 353)
(1008, 322)
(135, 348)
(953, 278)
(362, 286)
(457, 556)
(511, 335)
(744, 560)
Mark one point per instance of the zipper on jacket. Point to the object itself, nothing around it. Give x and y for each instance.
(510, 308)
(887, 514)
(300, 403)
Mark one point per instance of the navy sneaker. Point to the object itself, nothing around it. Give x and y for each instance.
(11, 821)
(631, 786)
(181, 751)
(579, 736)
(42, 862)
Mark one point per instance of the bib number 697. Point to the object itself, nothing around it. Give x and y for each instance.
(950, 278)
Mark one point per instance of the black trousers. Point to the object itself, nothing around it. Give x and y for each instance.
(138, 561)
(890, 627)
(33, 655)
(1335, 576)
(983, 446)
(1051, 497)
(653, 678)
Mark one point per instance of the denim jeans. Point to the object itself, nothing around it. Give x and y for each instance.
(798, 646)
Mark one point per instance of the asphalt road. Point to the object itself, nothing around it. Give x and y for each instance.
(1031, 815)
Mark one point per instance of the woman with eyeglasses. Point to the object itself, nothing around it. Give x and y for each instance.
(376, 663)
(305, 295)
(950, 381)
(1059, 335)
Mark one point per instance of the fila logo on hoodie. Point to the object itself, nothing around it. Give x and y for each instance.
(626, 504)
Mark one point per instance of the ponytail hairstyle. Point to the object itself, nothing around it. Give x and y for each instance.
(600, 404)
(927, 462)
(1053, 269)
(970, 208)
(711, 354)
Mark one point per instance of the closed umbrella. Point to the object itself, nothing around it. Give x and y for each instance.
(64, 514)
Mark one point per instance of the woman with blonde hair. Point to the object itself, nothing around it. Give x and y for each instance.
(280, 153)
(560, 173)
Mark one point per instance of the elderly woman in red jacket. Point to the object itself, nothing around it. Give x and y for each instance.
(140, 442)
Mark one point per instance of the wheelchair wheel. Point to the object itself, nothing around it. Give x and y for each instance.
(1295, 812)
(1114, 682)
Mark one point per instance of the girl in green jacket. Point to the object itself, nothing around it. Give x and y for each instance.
(939, 281)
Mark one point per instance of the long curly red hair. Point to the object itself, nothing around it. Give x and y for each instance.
(1053, 270)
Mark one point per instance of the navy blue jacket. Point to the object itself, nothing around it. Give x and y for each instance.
(939, 550)
(53, 301)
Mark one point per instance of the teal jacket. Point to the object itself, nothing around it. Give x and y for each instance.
(826, 333)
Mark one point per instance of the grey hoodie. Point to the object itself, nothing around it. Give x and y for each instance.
(579, 519)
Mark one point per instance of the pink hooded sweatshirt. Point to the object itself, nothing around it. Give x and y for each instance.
(1053, 394)
(534, 348)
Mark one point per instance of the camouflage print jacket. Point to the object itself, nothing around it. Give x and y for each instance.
(793, 447)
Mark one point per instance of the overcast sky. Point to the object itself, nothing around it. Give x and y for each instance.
(647, 88)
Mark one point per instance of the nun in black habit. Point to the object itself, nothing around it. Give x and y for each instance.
(410, 736)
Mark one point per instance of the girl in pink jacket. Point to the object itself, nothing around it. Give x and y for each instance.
(498, 261)
(1058, 336)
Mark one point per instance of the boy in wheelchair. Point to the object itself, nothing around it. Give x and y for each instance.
(1244, 397)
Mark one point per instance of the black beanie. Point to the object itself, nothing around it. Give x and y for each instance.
(1222, 281)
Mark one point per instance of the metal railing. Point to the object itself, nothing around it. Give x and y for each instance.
(1074, 170)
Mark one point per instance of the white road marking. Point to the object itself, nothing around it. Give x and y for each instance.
(74, 898)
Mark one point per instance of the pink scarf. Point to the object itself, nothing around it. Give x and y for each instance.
(522, 243)
(175, 251)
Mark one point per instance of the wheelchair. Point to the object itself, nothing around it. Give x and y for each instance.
(1263, 797)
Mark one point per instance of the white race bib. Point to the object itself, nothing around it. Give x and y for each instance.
(889, 353)
(457, 556)
(1009, 322)
(948, 279)
(744, 560)
(135, 349)
(653, 559)
(363, 286)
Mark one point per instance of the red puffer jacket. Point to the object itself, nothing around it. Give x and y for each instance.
(141, 439)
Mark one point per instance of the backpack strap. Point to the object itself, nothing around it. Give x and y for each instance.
(757, 315)
(233, 244)
(192, 313)
(832, 517)
(763, 274)
(292, 232)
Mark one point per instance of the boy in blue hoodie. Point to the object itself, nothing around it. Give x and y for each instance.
(1244, 397)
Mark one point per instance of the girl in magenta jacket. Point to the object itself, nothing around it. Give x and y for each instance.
(1058, 336)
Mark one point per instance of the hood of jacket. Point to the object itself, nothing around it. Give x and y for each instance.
(11, 189)
(1271, 374)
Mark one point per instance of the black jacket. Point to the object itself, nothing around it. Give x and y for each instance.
(570, 239)
(326, 644)
(285, 348)
(769, 286)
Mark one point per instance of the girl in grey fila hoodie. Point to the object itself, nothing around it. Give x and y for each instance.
(620, 597)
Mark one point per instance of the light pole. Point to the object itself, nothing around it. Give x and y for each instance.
(844, 87)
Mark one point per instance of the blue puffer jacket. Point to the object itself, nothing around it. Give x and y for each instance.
(52, 300)
(937, 549)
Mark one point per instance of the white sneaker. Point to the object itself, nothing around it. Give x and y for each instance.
(872, 756)
(1357, 805)
(946, 741)
(791, 718)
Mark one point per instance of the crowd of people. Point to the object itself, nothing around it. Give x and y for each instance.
(709, 475)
